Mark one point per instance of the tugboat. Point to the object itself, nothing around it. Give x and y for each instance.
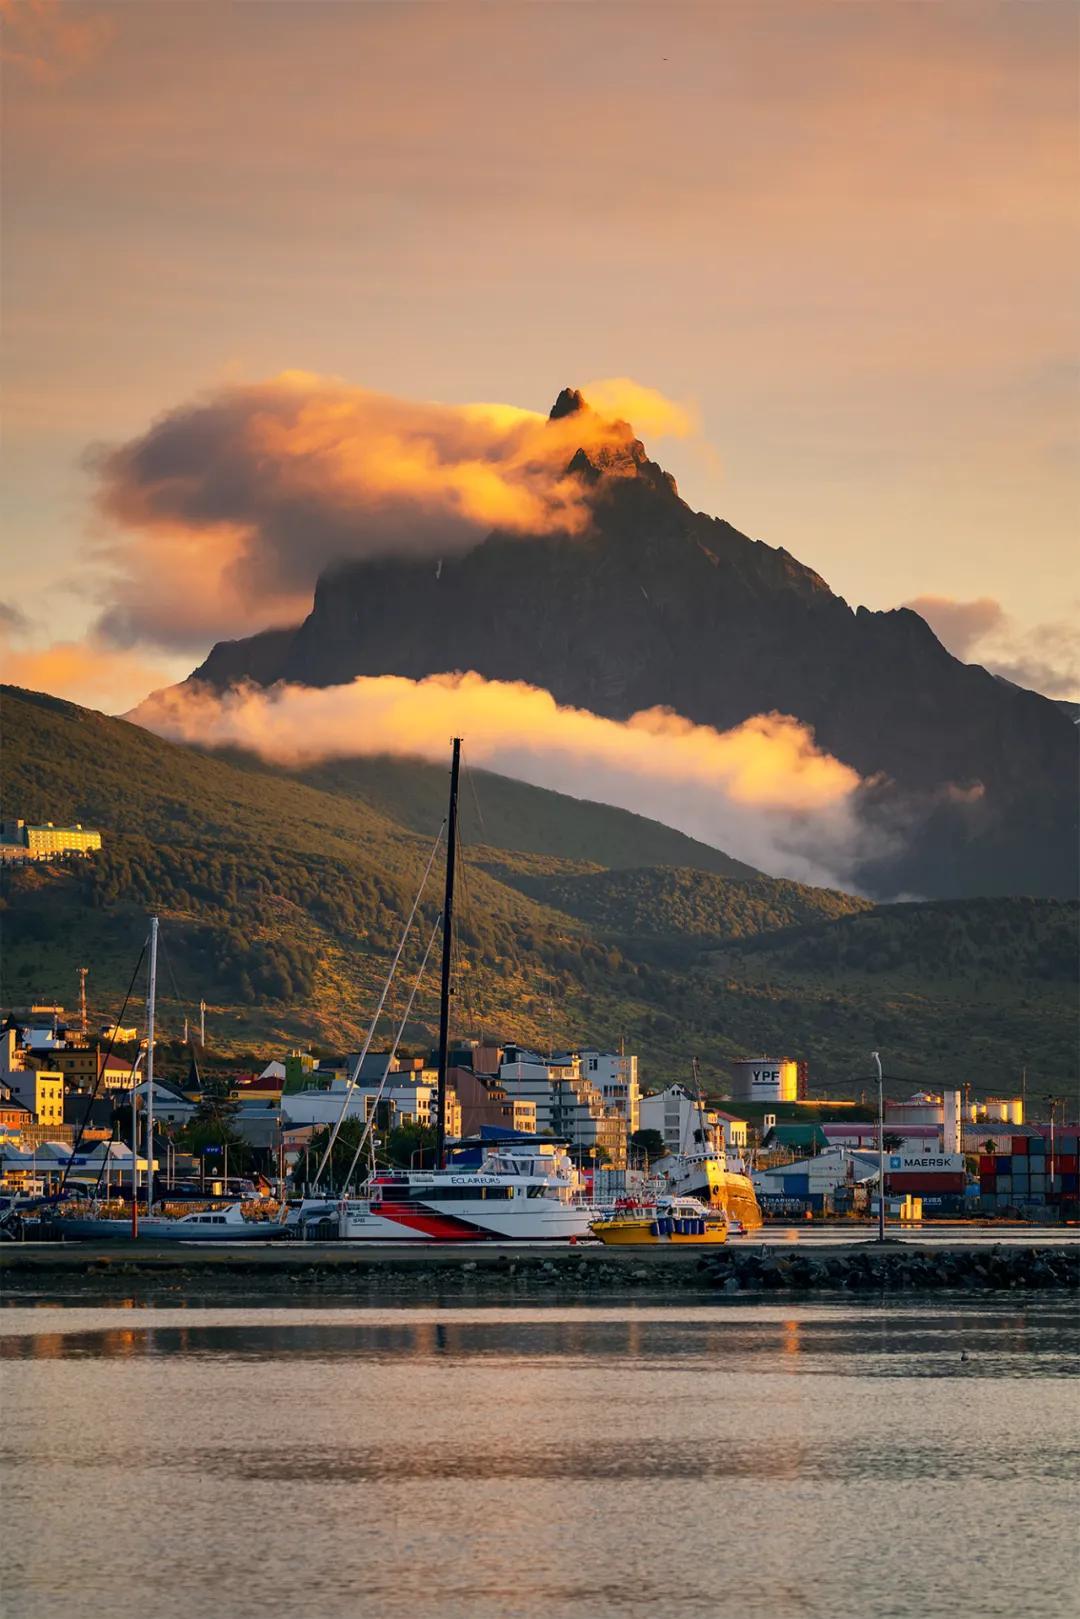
(706, 1172)
(681, 1222)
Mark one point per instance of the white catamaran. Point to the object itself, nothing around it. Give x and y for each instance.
(521, 1190)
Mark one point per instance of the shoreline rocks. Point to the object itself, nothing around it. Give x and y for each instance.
(761, 1271)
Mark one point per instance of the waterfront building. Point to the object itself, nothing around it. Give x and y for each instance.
(484, 1101)
(675, 1114)
(38, 1088)
(569, 1105)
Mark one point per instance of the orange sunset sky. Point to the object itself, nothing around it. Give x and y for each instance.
(841, 237)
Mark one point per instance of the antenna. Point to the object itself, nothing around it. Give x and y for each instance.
(202, 1024)
(82, 972)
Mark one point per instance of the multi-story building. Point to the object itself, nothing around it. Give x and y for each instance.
(44, 839)
(398, 1105)
(40, 1091)
(484, 1101)
(615, 1076)
(39, 1088)
(570, 1104)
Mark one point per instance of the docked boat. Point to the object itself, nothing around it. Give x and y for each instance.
(707, 1173)
(678, 1222)
(228, 1224)
(524, 1192)
(709, 1177)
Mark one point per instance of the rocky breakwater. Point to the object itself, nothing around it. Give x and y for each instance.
(893, 1270)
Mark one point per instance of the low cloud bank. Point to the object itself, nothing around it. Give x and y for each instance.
(225, 512)
(1045, 659)
(764, 791)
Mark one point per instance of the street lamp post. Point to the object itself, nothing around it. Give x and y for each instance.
(880, 1148)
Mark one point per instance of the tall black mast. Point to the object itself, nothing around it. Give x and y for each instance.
(447, 952)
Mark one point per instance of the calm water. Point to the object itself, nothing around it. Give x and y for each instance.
(470, 1463)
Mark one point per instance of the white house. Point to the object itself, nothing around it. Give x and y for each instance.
(676, 1115)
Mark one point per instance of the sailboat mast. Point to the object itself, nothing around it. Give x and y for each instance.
(151, 1005)
(447, 953)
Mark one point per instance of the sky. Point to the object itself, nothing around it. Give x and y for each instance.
(842, 238)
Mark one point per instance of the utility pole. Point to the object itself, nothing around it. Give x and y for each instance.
(82, 972)
(202, 1024)
(880, 1148)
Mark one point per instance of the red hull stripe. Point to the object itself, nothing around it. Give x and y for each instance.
(432, 1224)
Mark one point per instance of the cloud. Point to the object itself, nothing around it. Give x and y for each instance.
(50, 41)
(13, 621)
(1045, 658)
(763, 791)
(232, 506)
(86, 672)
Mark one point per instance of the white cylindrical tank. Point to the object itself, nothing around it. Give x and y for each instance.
(765, 1079)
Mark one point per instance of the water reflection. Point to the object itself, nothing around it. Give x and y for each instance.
(532, 1463)
(879, 1342)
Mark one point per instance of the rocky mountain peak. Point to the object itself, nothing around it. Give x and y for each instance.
(570, 400)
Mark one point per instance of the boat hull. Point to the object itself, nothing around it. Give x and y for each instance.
(650, 1234)
(725, 1191)
(429, 1222)
(91, 1230)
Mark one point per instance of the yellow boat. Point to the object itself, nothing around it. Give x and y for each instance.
(680, 1222)
(729, 1191)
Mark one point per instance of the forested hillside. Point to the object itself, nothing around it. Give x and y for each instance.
(281, 902)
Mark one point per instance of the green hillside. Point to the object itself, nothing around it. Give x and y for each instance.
(512, 815)
(681, 907)
(281, 901)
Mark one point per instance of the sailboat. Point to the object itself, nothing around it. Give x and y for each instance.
(522, 1191)
(222, 1224)
(706, 1172)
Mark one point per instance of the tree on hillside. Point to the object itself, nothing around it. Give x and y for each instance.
(348, 1139)
(411, 1146)
(648, 1144)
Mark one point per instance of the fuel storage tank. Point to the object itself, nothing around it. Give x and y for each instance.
(765, 1079)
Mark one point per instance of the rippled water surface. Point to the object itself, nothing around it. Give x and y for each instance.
(471, 1463)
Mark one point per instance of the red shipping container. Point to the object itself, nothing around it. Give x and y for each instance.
(987, 1183)
(1066, 1162)
(1019, 1145)
(926, 1185)
(986, 1163)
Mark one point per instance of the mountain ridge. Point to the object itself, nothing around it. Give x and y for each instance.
(969, 783)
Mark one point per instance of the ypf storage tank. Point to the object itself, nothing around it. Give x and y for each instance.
(765, 1079)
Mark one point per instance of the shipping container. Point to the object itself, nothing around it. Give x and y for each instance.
(1067, 1163)
(1003, 1163)
(910, 1180)
(1036, 1144)
(1020, 1146)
